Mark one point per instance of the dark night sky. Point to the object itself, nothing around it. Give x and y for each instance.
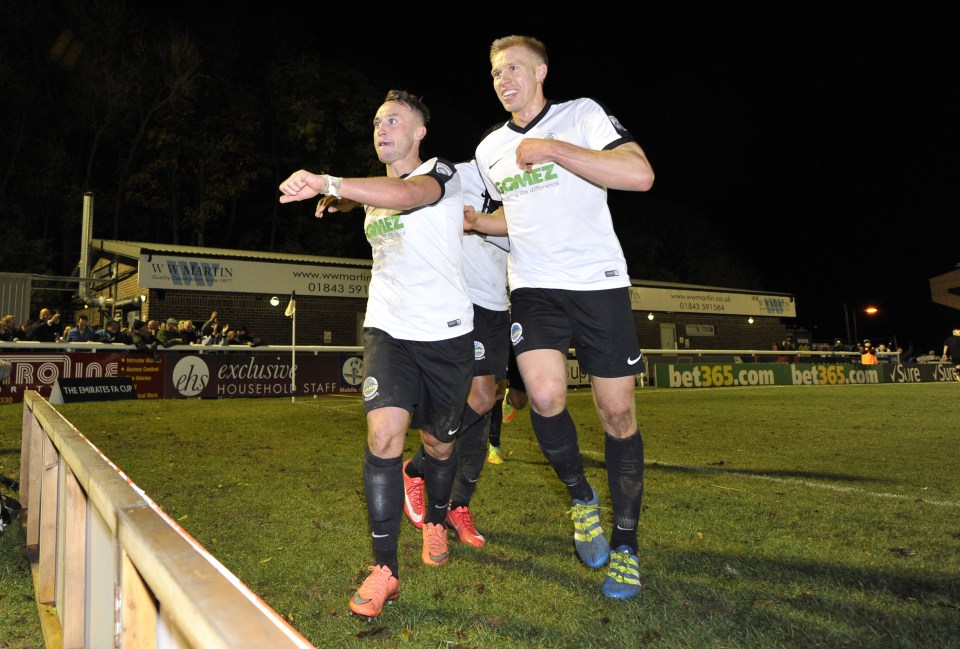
(821, 147)
(819, 144)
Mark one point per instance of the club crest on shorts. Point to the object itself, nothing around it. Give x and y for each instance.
(370, 388)
(479, 351)
(516, 333)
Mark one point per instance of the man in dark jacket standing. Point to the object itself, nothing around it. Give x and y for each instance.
(143, 339)
(48, 327)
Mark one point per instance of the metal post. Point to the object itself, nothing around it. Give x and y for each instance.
(86, 234)
(846, 321)
(292, 307)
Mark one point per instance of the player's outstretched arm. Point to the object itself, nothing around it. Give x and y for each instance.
(495, 223)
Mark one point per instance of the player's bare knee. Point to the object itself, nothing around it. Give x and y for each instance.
(548, 402)
(385, 444)
(619, 423)
(435, 448)
(482, 402)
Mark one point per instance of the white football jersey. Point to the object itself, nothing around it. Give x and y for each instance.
(484, 256)
(560, 227)
(417, 287)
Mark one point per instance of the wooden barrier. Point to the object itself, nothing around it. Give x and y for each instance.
(116, 570)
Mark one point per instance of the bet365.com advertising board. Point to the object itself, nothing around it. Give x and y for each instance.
(728, 375)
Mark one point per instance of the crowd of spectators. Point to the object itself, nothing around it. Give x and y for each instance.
(866, 353)
(149, 335)
(145, 336)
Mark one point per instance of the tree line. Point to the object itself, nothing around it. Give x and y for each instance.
(183, 131)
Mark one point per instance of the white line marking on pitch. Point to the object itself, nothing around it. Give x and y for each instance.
(805, 483)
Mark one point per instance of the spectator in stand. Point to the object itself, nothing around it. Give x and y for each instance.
(951, 349)
(227, 335)
(143, 338)
(788, 345)
(152, 326)
(237, 336)
(907, 355)
(170, 334)
(210, 331)
(48, 327)
(821, 347)
(111, 333)
(244, 337)
(63, 335)
(930, 357)
(25, 330)
(214, 336)
(838, 347)
(869, 354)
(781, 358)
(82, 333)
(188, 332)
(8, 329)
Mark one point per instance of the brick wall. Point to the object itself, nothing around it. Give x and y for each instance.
(730, 332)
(336, 321)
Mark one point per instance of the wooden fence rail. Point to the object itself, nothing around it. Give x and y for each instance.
(117, 570)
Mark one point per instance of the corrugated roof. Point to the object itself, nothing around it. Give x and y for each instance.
(133, 250)
(642, 283)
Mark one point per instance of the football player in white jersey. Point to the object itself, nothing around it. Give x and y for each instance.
(417, 332)
(551, 166)
(485, 270)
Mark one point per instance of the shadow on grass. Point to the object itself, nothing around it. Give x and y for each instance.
(890, 603)
(776, 473)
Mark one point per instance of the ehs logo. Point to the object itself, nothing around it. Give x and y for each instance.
(190, 376)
